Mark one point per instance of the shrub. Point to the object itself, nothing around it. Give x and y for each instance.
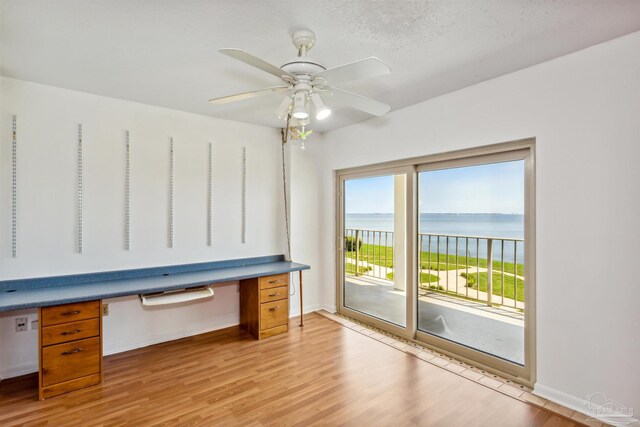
(471, 279)
(350, 243)
(363, 269)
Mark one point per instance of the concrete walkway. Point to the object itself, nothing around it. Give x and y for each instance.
(450, 280)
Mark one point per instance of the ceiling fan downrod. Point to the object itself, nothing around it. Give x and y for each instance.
(303, 40)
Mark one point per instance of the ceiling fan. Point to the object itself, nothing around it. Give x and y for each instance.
(308, 81)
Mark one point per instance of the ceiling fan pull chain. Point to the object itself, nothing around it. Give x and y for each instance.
(285, 136)
(284, 132)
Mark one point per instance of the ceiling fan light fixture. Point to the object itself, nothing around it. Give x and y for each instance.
(300, 106)
(283, 110)
(322, 111)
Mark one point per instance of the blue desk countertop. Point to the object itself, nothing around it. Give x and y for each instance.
(42, 292)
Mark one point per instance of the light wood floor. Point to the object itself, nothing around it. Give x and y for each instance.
(320, 374)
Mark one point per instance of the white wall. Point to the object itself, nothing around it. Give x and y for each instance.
(584, 110)
(306, 219)
(47, 122)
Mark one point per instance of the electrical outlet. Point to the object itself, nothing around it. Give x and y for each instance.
(22, 324)
(105, 310)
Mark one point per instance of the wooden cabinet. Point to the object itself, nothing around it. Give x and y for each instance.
(264, 305)
(70, 347)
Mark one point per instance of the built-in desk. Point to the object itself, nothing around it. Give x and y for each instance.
(70, 321)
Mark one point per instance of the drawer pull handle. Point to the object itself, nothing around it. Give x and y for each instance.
(75, 331)
(74, 351)
(274, 295)
(71, 313)
(274, 308)
(275, 281)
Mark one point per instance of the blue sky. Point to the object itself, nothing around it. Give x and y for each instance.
(493, 188)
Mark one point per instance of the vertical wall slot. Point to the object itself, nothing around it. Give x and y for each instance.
(171, 191)
(80, 191)
(244, 194)
(14, 187)
(210, 198)
(127, 192)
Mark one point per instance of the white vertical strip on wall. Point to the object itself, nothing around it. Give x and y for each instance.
(171, 192)
(210, 198)
(14, 187)
(244, 194)
(80, 190)
(127, 192)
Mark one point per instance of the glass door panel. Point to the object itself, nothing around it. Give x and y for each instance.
(374, 264)
(471, 277)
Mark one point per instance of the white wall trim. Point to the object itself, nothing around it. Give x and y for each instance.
(561, 398)
(147, 340)
(329, 307)
(18, 370)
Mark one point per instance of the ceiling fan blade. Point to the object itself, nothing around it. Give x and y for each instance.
(248, 95)
(360, 102)
(365, 68)
(247, 58)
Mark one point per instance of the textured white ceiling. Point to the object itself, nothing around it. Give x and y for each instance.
(165, 52)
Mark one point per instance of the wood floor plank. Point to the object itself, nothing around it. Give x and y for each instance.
(322, 374)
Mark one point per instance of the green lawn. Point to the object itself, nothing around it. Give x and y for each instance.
(374, 254)
(497, 285)
(383, 255)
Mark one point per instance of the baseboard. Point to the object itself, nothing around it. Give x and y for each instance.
(18, 370)
(561, 398)
(312, 308)
(147, 340)
(328, 307)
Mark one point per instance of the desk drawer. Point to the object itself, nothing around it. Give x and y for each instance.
(268, 282)
(274, 294)
(64, 362)
(70, 312)
(274, 314)
(70, 331)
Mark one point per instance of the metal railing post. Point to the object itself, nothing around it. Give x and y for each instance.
(490, 272)
(357, 243)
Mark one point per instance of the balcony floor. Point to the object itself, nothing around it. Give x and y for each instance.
(492, 330)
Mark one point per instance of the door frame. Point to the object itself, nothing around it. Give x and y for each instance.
(410, 244)
(497, 152)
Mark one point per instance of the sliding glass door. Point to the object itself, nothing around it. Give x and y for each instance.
(471, 256)
(373, 259)
(440, 251)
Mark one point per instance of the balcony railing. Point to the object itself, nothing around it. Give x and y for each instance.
(372, 252)
(478, 268)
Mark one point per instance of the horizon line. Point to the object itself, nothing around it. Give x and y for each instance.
(437, 213)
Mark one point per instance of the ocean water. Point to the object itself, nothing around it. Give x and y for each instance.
(475, 225)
